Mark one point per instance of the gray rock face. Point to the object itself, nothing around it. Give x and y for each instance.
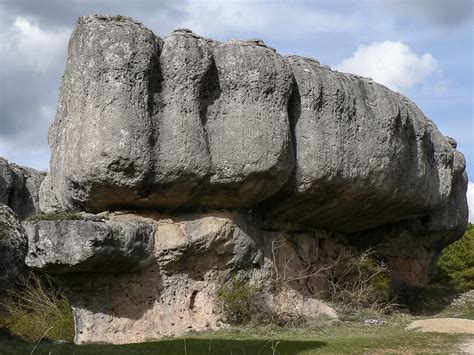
(186, 123)
(13, 248)
(88, 245)
(365, 156)
(19, 188)
(144, 122)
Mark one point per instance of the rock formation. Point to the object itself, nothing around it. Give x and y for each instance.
(19, 188)
(219, 151)
(172, 290)
(13, 248)
(88, 245)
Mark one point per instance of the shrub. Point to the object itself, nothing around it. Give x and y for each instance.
(36, 309)
(456, 263)
(61, 216)
(239, 300)
(359, 282)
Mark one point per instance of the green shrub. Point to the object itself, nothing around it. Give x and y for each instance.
(61, 216)
(238, 300)
(35, 309)
(456, 263)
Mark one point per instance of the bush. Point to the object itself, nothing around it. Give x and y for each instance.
(239, 300)
(36, 309)
(456, 263)
(359, 282)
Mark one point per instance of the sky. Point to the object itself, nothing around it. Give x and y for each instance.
(422, 48)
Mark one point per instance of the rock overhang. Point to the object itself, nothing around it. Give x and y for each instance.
(185, 123)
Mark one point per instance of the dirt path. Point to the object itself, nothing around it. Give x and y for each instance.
(448, 325)
(467, 347)
(444, 325)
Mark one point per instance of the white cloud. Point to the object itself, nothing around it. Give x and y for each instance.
(390, 63)
(470, 200)
(32, 61)
(27, 44)
(217, 19)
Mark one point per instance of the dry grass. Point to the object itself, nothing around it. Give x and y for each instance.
(36, 309)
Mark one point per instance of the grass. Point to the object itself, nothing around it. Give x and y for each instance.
(35, 309)
(326, 338)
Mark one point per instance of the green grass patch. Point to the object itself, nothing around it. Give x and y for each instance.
(336, 338)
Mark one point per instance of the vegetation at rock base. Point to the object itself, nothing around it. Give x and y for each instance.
(238, 300)
(36, 309)
(456, 264)
(62, 216)
(359, 285)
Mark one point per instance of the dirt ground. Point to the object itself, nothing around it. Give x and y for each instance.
(448, 325)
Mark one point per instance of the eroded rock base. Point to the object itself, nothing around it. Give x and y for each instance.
(193, 256)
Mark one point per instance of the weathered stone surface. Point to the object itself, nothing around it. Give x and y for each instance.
(19, 188)
(193, 255)
(88, 245)
(412, 246)
(175, 123)
(365, 156)
(13, 248)
(316, 158)
(186, 123)
(101, 136)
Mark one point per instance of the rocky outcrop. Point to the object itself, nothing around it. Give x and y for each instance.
(88, 245)
(19, 188)
(13, 248)
(306, 162)
(185, 123)
(175, 290)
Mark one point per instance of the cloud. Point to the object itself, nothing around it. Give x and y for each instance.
(446, 13)
(218, 19)
(32, 63)
(470, 200)
(392, 64)
(26, 44)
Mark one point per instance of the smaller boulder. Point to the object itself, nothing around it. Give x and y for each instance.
(13, 247)
(19, 188)
(64, 246)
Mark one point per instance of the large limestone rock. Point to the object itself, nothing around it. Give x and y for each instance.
(185, 123)
(314, 160)
(19, 188)
(13, 248)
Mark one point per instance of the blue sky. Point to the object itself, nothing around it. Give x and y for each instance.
(423, 48)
